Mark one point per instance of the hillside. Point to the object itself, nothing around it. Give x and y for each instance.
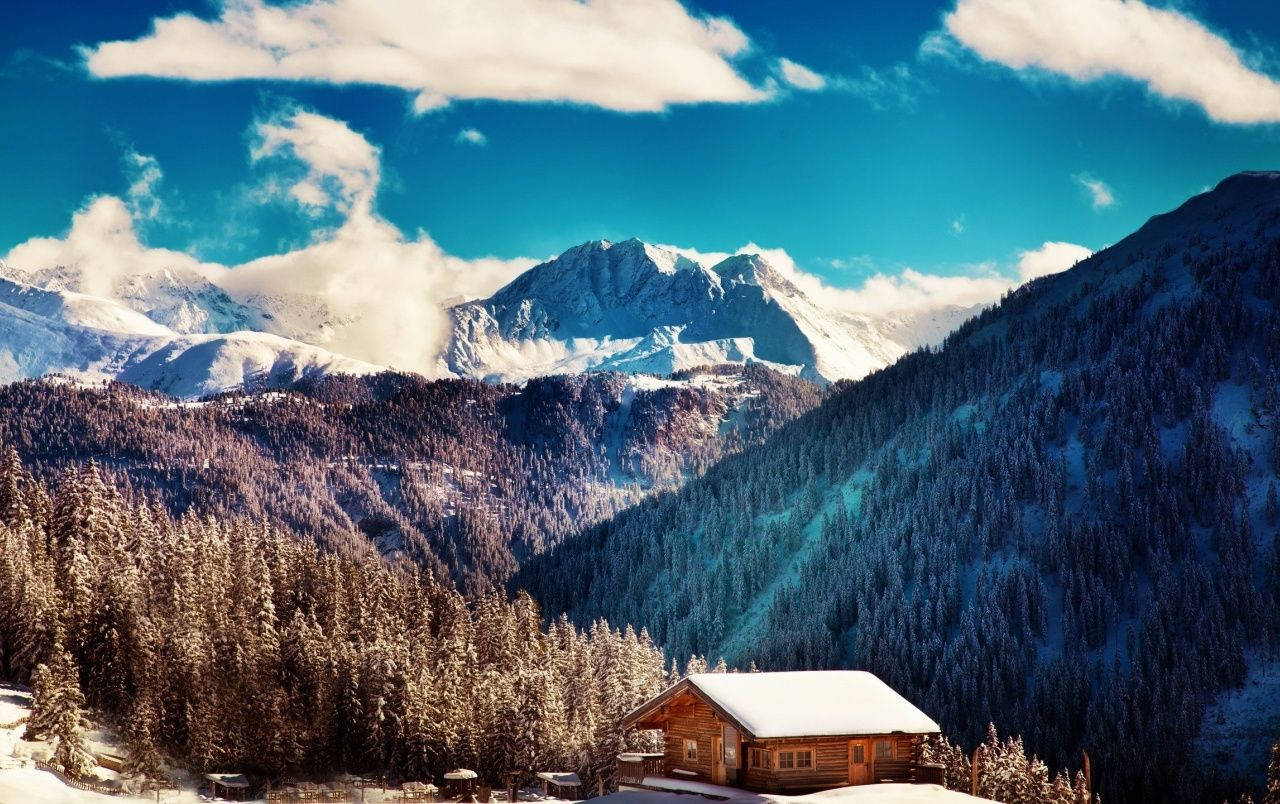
(464, 477)
(1062, 521)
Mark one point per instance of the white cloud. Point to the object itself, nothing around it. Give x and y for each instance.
(342, 167)
(626, 55)
(799, 76)
(381, 295)
(144, 174)
(958, 226)
(1168, 51)
(1051, 258)
(471, 136)
(896, 84)
(1100, 193)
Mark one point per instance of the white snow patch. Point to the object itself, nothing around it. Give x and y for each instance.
(861, 794)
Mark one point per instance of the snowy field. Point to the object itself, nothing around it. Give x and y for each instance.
(863, 794)
(22, 783)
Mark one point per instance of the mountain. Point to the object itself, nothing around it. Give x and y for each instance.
(179, 297)
(466, 478)
(1063, 521)
(629, 307)
(94, 338)
(636, 307)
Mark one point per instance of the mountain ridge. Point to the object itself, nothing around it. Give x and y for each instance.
(604, 305)
(600, 306)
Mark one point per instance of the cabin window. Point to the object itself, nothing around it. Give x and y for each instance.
(859, 753)
(796, 759)
(761, 758)
(691, 750)
(884, 750)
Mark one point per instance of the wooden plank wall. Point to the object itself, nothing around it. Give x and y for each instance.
(697, 722)
(830, 765)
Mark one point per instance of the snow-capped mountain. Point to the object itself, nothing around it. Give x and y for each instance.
(635, 307)
(178, 297)
(629, 307)
(62, 332)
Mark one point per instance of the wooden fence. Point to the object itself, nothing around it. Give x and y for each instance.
(92, 787)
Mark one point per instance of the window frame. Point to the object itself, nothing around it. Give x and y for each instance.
(893, 749)
(690, 749)
(760, 758)
(793, 753)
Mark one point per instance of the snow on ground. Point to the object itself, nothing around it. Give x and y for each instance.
(862, 794)
(22, 783)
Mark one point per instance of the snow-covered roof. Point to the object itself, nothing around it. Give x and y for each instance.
(560, 779)
(237, 780)
(814, 703)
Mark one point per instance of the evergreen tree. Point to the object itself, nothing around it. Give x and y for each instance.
(63, 715)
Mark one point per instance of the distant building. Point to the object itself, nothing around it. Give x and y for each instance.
(780, 732)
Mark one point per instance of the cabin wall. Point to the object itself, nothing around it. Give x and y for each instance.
(830, 765)
(698, 722)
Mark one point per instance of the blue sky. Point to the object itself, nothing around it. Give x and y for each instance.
(938, 141)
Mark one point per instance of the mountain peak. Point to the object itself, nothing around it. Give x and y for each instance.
(633, 306)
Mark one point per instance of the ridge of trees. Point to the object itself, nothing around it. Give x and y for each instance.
(465, 478)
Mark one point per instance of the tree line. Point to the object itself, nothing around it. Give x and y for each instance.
(223, 645)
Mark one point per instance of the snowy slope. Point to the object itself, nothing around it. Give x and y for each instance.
(180, 297)
(632, 306)
(62, 332)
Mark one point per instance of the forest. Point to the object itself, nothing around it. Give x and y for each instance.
(1062, 521)
(465, 478)
(225, 646)
(222, 645)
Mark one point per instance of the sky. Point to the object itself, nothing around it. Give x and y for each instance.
(891, 149)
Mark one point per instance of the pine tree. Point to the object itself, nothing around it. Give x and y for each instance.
(143, 758)
(64, 715)
(1272, 795)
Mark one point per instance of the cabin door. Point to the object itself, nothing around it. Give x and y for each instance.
(717, 759)
(859, 761)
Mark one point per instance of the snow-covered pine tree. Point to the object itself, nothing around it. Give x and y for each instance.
(65, 713)
(1272, 796)
(142, 758)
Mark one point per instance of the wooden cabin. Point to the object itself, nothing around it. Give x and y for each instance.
(793, 732)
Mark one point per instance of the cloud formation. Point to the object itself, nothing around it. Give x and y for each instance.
(471, 136)
(1100, 193)
(364, 289)
(799, 76)
(343, 169)
(1051, 258)
(625, 55)
(144, 175)
(1172, 54)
